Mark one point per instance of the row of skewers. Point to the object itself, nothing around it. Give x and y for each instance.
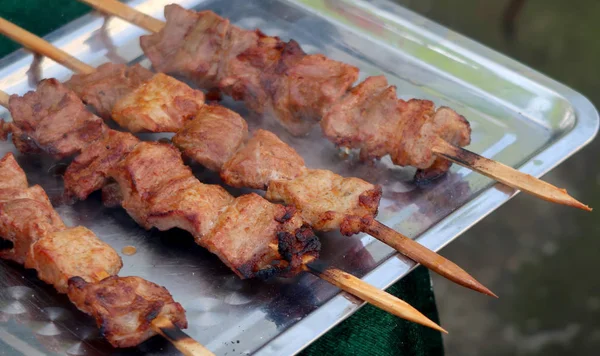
(254, 237)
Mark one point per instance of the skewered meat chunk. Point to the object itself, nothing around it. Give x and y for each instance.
(88, 172)
(189, 205)
(264, 158)
(124, 307)
(212, 137)
(74, 252)
(24, 221)
(11, 174)
(162, 104)
(371, 118)
(171, 52)
(159, 190)
(252, 235)
(104, 87)
(53, 119)
(327, 199)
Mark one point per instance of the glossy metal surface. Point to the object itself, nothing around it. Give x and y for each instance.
(519, 117)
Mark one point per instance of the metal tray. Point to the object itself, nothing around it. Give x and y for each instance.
(519, 117)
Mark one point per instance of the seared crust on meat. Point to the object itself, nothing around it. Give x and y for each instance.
(73, 252)
(212, 137)
(162, 104)
(264, 158)
(124, 307)
(254, 237)
(326, 198)
(102, 88)
(54, 120)
(88, 172)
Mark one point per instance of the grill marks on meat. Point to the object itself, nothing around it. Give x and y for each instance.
(263, 159)
(212, 137)
(88, 172)
(250, 235)
(124, 307)
(52, 119)
(72, 252)
(76, 262)
(371, 118)
(271, 76)
(102, 88)
(162, 104)
(326, 199)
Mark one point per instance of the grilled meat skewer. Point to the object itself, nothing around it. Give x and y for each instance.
(252, 236)
(79, 264)
(277, 78)
(163, 103)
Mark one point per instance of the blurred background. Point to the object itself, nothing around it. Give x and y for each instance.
(539, 258)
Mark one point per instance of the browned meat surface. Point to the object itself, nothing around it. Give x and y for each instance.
(268, 74)
(264, 158)
(162, 104)
(306, 90)
(253, 236)
(189, 45)
(326, 200)
(371, 118)
(212, 137)
(11, 174)
(124, 307)
(88, 171)
(103, 88)
(53, 119)
(26, 214)
(74, 252)
(159, 190)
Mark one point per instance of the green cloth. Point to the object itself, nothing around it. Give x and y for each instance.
(370, 331)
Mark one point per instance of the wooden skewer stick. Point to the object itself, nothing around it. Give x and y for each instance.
(36, 44)
(4, 98)
(471, 160)
(370, 294)
(401, 243)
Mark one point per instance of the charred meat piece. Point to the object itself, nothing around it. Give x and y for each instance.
(74, 252)
(54, 120)
(88, 172)
(212, 137)
(124, 307)
(327, 199)
(162, 104)
(249, 234)
(257, 238)
(264, 158)
(104, 87)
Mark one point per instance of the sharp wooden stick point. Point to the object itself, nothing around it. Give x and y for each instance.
(506, 175)
(371, 295)
(4, 98)
(421, 254)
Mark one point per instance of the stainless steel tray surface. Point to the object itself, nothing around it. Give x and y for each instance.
(519, 117)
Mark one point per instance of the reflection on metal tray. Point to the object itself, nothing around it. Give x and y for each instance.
(519, 117)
